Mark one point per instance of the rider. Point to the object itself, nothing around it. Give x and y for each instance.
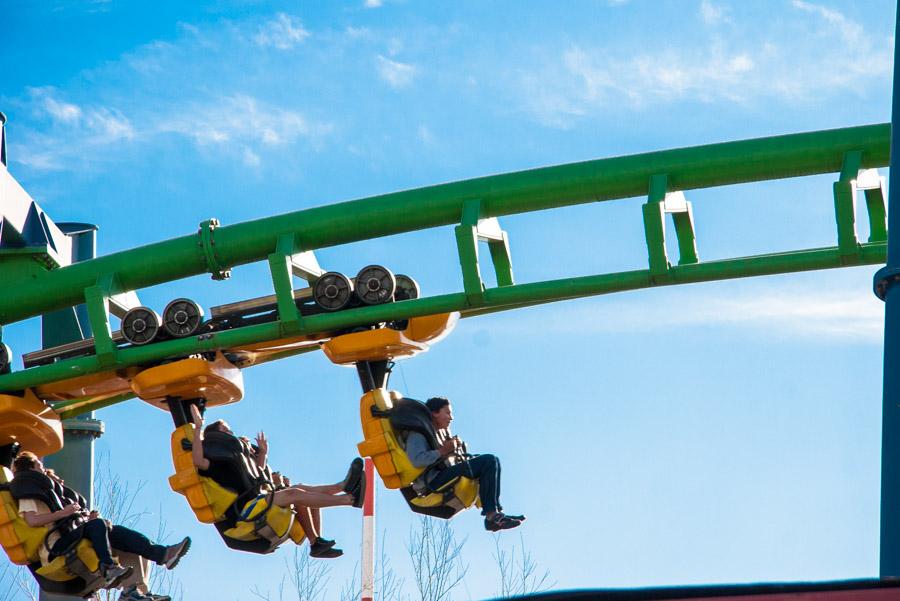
(45, 501)
(440, 470)
(305, 500)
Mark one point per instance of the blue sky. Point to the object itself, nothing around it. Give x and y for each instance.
(724, 432)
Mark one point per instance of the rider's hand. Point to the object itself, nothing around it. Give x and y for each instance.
(196, 417)
(262, 443)
(448, 447)
(68, 510)
(94, 515)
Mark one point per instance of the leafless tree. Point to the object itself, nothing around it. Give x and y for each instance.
(436, 559)
(519, 573)
(308, 579)
(17, 584)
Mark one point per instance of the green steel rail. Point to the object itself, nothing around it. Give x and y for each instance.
(468, 204)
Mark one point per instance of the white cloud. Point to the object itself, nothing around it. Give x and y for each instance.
(373, 3)
(396, 74)
(283, 32)
(61, 111)
(712, 14)
(583, 81)
(241, 119)
(844, 316)
(425, 135)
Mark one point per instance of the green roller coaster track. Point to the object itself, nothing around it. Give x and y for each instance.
(473, 206)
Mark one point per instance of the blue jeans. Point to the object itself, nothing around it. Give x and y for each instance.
(485, 469)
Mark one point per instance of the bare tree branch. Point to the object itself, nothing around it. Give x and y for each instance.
(435, 555)
(518, 570)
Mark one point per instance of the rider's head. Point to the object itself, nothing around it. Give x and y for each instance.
(441, 412)
(220, 425)
(27, 461)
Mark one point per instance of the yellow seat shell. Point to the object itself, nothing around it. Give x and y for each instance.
(217, 381)
(30, 422)
(387, 343)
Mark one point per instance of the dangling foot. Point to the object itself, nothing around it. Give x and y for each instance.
(324, 551)
(323, 542)
(354, 473)
(113, 574)
(498, 521)
(358, 493)
(174, 553)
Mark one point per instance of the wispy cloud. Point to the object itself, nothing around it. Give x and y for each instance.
(713, 14)
(283, 32)
(241, 125)
(396, 74)
(71, 129)
(843, 316)
(373, 3)
(583, 81)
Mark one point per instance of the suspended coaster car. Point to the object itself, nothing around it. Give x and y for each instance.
(75, 572)
(385, 417)
(245, 524)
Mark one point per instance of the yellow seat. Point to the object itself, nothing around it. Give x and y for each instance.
(23, 543)
(207, 499)
(393, 465)
(210, 501)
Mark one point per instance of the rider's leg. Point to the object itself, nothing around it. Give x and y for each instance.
(296, 496)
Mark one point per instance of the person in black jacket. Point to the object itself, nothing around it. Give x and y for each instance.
(45, 501)
(253, 481)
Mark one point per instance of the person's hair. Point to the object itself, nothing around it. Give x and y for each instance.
(26, 460)
(216, 426)
(436, 403)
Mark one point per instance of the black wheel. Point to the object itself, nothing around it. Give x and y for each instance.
(407, 288)
(5, 358)
(140, 325)
(375, 285)
(182, 317)
(332, 291)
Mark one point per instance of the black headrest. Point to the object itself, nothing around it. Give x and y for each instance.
(410, 414)
(221, 446)
(31, 484)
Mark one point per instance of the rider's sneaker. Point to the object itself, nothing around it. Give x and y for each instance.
(113, 574)
(324, 551)
(353, 475)
(359, 492)
(174, 553)
(498, 522)
(155, 597)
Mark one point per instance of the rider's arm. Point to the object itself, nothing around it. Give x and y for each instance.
(35, 518)
(418, 451)
(200, 462)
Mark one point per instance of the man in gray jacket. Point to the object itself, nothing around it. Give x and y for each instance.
(440, 469)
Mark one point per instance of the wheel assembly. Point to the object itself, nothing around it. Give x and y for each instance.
(182, 317)
(407, 288)
(332, 291)
(375, 285)
(140, 325)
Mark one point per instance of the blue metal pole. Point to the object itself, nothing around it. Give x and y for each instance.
(885, 279)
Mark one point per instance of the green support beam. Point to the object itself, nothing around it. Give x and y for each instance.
(216, 249)
(500, 298)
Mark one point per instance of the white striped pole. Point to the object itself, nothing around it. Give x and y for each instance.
(368, 538)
